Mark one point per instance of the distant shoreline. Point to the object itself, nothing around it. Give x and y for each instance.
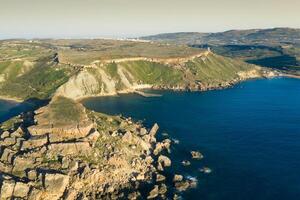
(6, 98)
(291, 76)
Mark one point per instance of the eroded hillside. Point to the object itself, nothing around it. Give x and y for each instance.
(83, 68)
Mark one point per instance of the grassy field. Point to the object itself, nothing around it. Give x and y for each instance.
(64, 111)
(215, 70)
(87, 51)
(40, 80)
(154, 73)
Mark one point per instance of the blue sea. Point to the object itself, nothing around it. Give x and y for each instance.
(249, 135)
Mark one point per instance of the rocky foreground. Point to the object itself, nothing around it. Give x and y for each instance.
(63, 151)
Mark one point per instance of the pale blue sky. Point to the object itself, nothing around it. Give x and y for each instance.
(128, 18)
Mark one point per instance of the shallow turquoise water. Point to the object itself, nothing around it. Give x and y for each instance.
(249, 134)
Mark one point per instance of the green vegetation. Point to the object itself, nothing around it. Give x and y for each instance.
(39, 81)
(62, 111)
(112, 69)
(216, 69)
(86, 51)
(154, 73)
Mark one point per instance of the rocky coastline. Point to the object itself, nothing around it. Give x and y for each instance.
(98, 157)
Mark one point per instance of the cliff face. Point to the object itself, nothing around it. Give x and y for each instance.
(83, 68)
(202, 72)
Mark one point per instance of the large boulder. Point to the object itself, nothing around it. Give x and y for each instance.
(177, 178)
(21, 190)
(163, 161)
(7, 189)
(153, 193)
(34, 142)
(55, 185)
(75, 148)
(196, 155)
(7, 155)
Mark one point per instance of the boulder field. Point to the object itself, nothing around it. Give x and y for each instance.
(86, 156)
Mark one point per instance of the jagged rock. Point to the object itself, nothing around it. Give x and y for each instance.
(153, 193)
(127, 137)
(167, 144)
(115, 134)
(21, 164)
(163, 161)
(55, 185)
(76, 148)
(162, 189)
(143, 131)
(160, 146)
(21, 190)
(32, 175)
(7, 155)
(18, 144)
(18, 133)
(196, 155)
(10, 141)
(85, 172)
(160, 178)
(154, 130)
(145, 145)
(177, 178)
(134, 196)
(7, 189)
(140, 177)
(72, 165)
(34, 142)
(58, 133)
(193, 182)
(149, 160)
(6, 168)
(71, 195)
(93, 137)
(5, 134)
(186, 163)
(35, 194)
(182, 185)
(205, 170)
(65, 162)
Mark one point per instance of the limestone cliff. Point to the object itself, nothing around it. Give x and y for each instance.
(202, 72)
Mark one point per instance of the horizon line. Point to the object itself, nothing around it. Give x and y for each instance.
(112, 37)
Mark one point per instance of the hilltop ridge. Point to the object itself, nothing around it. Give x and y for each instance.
(277, 48)
(84, 68)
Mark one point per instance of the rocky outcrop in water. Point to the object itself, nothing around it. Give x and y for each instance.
(98, 157)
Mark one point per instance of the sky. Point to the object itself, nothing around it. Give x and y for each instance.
(132, 18)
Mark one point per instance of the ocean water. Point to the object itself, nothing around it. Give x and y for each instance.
(6, 109)
(249, 135)
(10, 109)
